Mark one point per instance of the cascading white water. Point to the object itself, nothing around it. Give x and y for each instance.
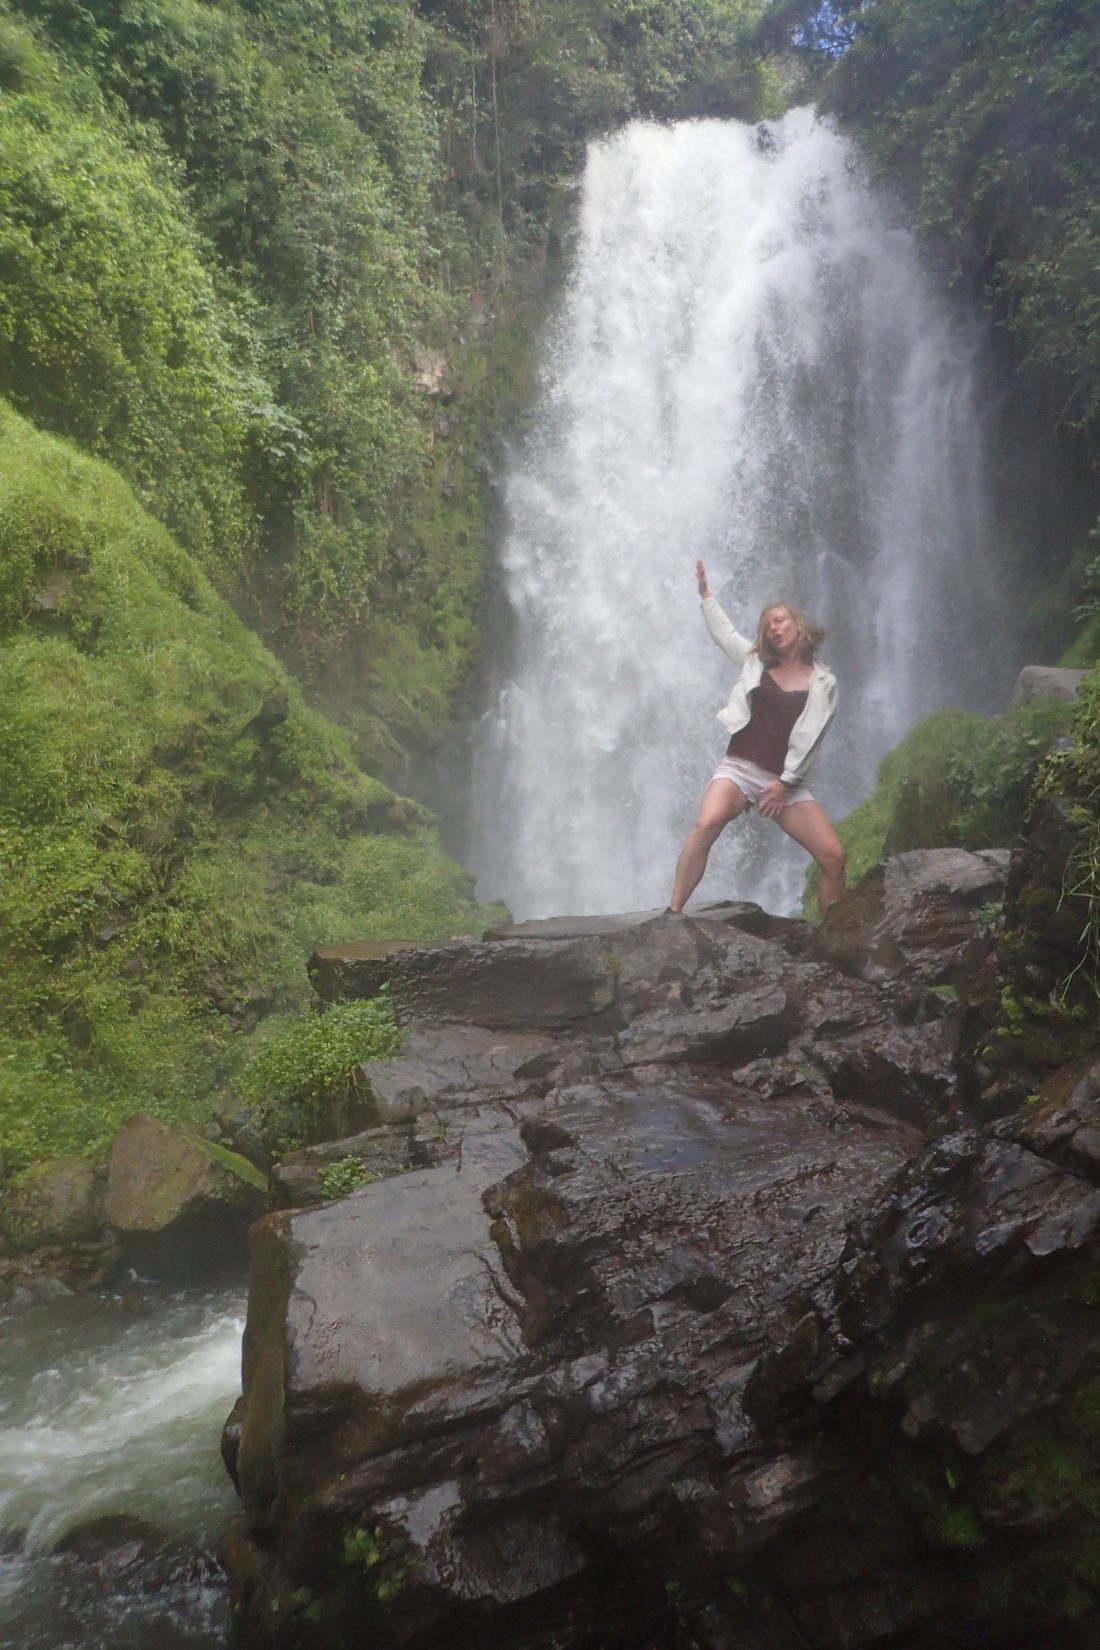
(106, 1416)
(749, 367)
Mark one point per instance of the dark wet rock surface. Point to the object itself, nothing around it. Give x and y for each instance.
(137, 1556)
(683, 1305)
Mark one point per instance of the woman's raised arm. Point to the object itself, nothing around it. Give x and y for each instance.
(726, 635)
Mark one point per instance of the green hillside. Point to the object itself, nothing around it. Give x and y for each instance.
(177, 828)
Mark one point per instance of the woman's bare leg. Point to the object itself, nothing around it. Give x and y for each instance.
(722, 801)
(809, 825)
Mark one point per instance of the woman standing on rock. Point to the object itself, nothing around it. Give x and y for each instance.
(778, 713)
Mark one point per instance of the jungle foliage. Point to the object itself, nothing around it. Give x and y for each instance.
(231, 234)
(957, 780)
(213, 254)
(177, 827)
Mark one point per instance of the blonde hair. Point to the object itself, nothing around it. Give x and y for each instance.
(810, 636)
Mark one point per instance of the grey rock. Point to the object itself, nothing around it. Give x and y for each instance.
(443, 1063)
(54, 1203)
(353, 972)
(177, 1201)
(743, 914)
(695, 1276)
(910, 917)
(1046, 682)
(299, 1178)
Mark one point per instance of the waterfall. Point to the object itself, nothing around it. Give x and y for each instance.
(749, 366)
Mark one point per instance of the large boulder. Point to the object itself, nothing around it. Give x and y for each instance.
(58, 1203)
(177, 1201)
(1046, 682)
(534, 1348)
(688, 1309)
(910, 917)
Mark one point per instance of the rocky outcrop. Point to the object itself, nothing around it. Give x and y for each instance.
(660, 1324)
(179, 1203)
(1046, 682)
(905, 923)
(58, 1203)
(343, 973)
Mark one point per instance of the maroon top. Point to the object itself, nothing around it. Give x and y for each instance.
(767, 733)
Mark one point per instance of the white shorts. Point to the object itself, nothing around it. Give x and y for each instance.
(751, 779)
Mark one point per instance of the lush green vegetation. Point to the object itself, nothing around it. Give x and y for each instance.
(957, 780)
(300, 215)
(520, 90)
(301, 1082)
(227, 312)
(177, 828)
(110, 324)
(277, 264)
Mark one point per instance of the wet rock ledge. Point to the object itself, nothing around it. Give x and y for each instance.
(682, 1305)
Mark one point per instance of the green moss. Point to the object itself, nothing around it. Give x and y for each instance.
(304, 1075)
(957, 780)
(178, 829)
(233, 1163)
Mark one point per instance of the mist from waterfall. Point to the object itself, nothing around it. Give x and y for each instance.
(749, 366)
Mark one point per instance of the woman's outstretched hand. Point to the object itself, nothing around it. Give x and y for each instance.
(701, 580)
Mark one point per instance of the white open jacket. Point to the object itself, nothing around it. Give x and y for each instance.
(811, 727)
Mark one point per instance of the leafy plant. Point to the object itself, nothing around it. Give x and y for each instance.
(344, 1176)
(312, 1059)
(366, 1550)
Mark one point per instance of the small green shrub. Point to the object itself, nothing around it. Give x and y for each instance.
(307, 1064)
(344, 1176)
(366, 1550)
(957, 780)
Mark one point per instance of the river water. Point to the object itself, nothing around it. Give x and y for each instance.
(113, 1495)
(750, 365)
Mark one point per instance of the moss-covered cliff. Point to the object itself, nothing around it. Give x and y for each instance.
(177, 826)
(248, 251)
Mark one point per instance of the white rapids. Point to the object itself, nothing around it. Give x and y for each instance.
(750, 366)
(111, 1419)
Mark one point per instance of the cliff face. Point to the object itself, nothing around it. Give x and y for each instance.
(174, 818)
(686, 1306)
